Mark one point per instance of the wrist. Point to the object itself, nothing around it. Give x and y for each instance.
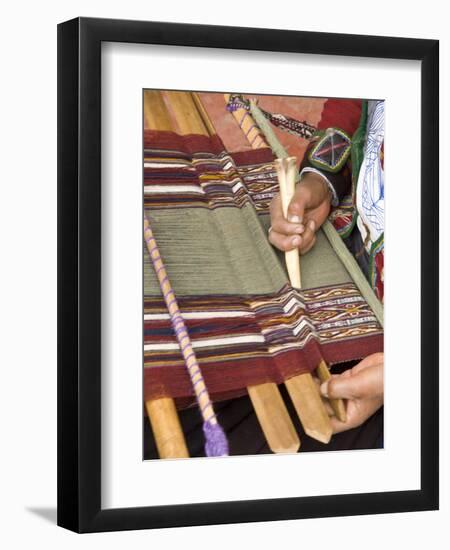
(315, 187)
(318, 185)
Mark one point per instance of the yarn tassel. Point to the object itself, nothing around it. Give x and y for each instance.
(216, 441)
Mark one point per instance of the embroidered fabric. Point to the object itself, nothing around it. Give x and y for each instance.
(331, 151)
(370, 188)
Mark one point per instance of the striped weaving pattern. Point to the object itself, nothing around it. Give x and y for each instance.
(340, 312)
(241, 340)
(196, 171)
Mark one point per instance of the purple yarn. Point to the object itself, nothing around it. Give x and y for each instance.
(216, 441)
(231, 107)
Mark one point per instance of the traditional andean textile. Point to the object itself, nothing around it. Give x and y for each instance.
(209, 213)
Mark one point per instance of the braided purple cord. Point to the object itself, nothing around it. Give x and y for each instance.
(216, 443)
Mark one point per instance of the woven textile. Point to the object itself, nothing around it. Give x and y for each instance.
(209, 213)
(195, 171)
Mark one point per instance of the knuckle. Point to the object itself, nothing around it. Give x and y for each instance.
(331, 388)
(277, 225)
(285, 245)
(309, 241)
(277, 240)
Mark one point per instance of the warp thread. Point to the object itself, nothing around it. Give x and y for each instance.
(216, 443)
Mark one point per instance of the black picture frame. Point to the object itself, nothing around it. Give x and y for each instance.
(79, 274)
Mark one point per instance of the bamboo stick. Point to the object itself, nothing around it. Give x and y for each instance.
(248, 126)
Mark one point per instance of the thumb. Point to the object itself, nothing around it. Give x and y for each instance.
(358, 385)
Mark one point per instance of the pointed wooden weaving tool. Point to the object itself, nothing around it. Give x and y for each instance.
(286, 178)
(162, 412)
(302, 388)
(191, 117)
(338, 405)
(274, 418)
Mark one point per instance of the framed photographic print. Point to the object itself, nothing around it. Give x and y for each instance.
(247, 314)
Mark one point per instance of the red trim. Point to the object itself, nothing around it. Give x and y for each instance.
(190, 143)
(256, 156)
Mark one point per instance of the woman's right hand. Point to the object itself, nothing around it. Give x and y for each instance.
(307, 211)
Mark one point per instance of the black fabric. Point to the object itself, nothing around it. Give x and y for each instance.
(355, 245)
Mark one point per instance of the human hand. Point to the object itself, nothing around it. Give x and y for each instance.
(363, 388)
(307, 211)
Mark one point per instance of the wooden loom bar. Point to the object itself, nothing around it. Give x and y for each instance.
(185, 115)
(203, 114)
(156, 116)
(162, 412)
(266, 399)
(166, 428)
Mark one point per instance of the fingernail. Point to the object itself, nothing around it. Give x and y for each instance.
(296, 241)
(300, 229)
(312, 225)
(294, 219)
(324, 389)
